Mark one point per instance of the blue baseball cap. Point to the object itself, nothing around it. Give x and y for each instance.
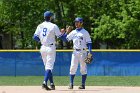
(48, 14)
(78, 19)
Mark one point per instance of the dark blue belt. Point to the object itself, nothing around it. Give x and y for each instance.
(49, 44)
(79, 49)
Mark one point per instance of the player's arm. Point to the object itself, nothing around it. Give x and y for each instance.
(36, 34)
(89, 45)
(65, 33)
(36, 38)
(63, 37)
(60, 34)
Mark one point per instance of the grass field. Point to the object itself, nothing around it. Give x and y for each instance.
(64, 80)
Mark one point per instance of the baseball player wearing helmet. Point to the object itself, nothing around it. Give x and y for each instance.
(45, 34)
(81, 40)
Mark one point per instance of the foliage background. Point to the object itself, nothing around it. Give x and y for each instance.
(115, 23)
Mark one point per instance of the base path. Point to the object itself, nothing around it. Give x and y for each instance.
(64, 89)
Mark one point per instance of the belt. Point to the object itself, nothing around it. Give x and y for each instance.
(79, 49)
(48, 44)
(51, 44)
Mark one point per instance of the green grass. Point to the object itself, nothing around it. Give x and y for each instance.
(64, 80)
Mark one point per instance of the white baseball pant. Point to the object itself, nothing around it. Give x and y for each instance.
(48, 54)
(78, 57)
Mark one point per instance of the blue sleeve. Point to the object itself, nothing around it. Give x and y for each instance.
(89, 45)
(63, 37)
(36, 38)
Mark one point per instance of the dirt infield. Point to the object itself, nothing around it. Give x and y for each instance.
(63, 89)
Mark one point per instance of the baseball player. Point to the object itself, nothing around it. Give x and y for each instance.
(45, 34)
(81, 40)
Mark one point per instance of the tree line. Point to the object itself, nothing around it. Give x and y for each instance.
(113, 23)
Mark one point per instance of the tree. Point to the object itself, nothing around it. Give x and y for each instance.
(22, 17)
(114, 22)
(120, 28)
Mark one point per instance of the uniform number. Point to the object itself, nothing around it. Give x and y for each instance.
(79, 42)
(44, 31)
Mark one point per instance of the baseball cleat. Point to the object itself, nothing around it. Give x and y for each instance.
(82, 87)
(45, 87)
(70, 86)
(52, 87)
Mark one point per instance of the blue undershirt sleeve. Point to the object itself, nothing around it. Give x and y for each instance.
(89, 45)
(63, 37)
(36, 38)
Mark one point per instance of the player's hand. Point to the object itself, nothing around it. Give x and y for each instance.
(62, 31)
(68, 29)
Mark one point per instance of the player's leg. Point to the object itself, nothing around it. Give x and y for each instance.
(83, 70)
(73, 69)
(52, 82)
(43, 52)
(51, 59)
(46, 78)
(51, 79)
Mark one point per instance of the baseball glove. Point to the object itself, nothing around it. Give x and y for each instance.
(88, 59)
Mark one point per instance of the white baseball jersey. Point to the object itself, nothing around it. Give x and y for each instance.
(46, 32)
(80, 38)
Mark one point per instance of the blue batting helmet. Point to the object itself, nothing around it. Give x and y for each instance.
(48, 14)
(78, 19)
